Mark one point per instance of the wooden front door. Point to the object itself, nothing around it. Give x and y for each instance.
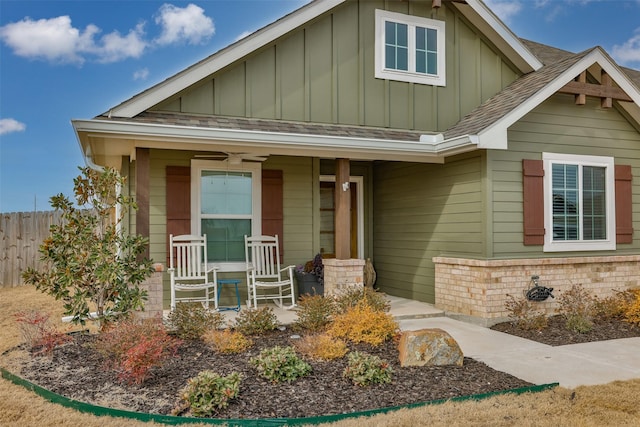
(327, 219)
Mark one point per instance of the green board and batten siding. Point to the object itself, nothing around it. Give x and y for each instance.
(324, 72)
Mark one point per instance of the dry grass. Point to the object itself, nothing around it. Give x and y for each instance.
(614, 404)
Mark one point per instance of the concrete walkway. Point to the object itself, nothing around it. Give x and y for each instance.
(569, 365)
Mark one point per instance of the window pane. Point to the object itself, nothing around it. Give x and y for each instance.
(390, 33)
(390, 57)
(565, 202)
(432, 40)
(402, 61)
(594, 201)
(225, 238)
(396, 44)
(421, 38)
(432, 63)
(426, 51)
(421, 62)
(225, 193)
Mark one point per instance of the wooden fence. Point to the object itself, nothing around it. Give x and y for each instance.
(21, 234)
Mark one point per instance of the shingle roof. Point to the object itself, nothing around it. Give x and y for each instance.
(512, 96)
(269, 125)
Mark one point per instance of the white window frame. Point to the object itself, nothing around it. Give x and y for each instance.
(579, 245)
(411, 75)
(197, 166)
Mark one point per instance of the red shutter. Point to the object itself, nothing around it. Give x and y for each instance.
(272, 206)
(624, 223)
(533, 197)
(178, 202)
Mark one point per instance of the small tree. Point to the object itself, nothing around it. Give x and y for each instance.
(89, 257)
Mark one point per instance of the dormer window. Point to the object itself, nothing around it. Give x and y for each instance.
(409, 48)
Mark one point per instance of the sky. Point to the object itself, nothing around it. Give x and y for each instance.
(64, 60)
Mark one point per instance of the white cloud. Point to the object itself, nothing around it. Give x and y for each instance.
(141, 74)
(11, 125)
(504, 9)
(629, 51)
(114, 47)
(188, 24)
(57, 41)
(52, 39)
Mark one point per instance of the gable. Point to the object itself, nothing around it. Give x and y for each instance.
(324, 72)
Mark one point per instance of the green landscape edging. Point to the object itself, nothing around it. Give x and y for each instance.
(175, 420)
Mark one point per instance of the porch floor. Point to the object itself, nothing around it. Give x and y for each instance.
(401, 309)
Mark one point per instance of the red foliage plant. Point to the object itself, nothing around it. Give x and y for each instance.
(38, 333)
(134, 347)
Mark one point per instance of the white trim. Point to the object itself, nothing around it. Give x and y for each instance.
(381, 72)
(255, 168)
(493, 28)
(582, 245)
(359, 181)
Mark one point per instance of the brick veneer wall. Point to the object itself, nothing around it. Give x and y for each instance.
(477, 289)
(341, 274)
(153, 286)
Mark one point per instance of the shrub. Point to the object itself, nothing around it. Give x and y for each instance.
(352, 296)
(314, 312)
(227, 341)
(578, 308)
(524, 315)
(191, 320)
(322, 347)
(255, 321)
(613, 306)
(632, 309)
(134, 347)
(280, 364)
(364, 369)
(363, 323)
(37, 332)
(209, 392)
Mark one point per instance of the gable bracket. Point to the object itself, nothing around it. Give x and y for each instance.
(605, 91)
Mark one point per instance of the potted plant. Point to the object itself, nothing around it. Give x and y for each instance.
(310, 277)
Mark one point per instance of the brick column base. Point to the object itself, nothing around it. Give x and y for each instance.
(342, 274)
(153, 286)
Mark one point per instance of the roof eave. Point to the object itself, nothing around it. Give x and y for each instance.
(506, 41)
(268, 143)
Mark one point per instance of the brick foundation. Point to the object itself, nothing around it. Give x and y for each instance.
(153, 286)
(341, 274)
(478, 288)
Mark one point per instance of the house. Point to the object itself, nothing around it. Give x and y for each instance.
(423, 135)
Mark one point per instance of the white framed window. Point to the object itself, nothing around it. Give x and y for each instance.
(579, 194)
(226, 206)
(410, 48)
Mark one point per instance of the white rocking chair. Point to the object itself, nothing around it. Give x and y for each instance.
(188, 270)
(264, 272)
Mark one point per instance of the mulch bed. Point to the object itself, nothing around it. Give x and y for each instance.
(556, 333)
(75, 370)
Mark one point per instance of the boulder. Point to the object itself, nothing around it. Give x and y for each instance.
(429, 347)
